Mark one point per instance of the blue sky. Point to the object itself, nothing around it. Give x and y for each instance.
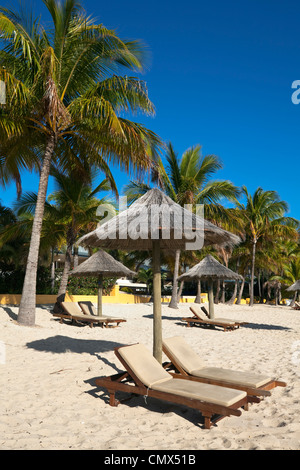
(220, 75)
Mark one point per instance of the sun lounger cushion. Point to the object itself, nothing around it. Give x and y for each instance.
(199, 313)
(87, 308)
(185, 355)
(249, 379)
(193, 365)
(206, 392)
(143, 364)
(72, 308)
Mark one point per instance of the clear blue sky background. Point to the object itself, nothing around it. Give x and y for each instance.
(220, 75)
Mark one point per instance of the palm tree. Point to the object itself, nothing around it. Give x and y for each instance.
(263, 217)
(186, 180)
(65, 92)
(71, 210)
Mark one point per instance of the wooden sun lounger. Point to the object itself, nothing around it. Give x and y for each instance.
(145, 376)
(73, 312)
(296, 306)
(201, 319)
(188, 365)
(237, 322)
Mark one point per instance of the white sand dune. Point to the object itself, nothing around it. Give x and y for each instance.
(49, 399)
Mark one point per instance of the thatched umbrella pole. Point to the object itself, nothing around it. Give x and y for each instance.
(211, 302)
(157, 326)
(100, 292)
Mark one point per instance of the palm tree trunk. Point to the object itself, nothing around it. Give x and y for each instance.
(64, 279)
(173, 301)
(252, 275)
(76, 257)
(241, 289)
(294, 299)
(232, 299)
(198, 296)
(217, 295)
(223, 293)
(26, 315)
(71, 237)
(180, 291)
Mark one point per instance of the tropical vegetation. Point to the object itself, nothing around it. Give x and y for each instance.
(66, 90)
(67, 94)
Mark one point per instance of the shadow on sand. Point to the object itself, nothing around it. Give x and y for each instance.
(60, 344)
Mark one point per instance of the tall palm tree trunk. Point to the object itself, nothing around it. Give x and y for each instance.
(217, 295)
(198, 296)
(233, 297)
(180, 291)
(67, 267)
(26, 315)
(241, 289)
(252, 275)
(173, 301)
(64, 279)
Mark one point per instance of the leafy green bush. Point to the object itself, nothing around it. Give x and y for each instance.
(12, 279)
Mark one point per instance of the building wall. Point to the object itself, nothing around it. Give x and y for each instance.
(116, 297)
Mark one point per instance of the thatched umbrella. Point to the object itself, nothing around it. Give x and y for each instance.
(101, 264)
(209, 269)
(295, 286)
(155, 222)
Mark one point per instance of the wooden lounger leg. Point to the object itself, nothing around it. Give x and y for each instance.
(207, 421)
(112, 398)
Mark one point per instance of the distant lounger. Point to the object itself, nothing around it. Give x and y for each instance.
(145, 376)
(201, 319)
(73, 312)
(296, 306)
(196, 311)
(188, 365)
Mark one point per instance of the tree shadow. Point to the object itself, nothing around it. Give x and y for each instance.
(10, 313)
(61, 344)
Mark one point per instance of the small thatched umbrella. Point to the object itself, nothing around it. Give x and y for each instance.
(209, 269)
(155, 222)
(101, 264)
(295, 286)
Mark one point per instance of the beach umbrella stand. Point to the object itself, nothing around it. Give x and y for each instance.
(210, 270)
(152, 210)
(101, 264)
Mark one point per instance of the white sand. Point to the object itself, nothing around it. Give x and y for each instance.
(49, 399)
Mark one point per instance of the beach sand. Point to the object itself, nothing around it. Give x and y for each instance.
(49, 399)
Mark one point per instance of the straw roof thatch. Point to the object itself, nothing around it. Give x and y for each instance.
(295, 286)
(101, 263)
(209, 269)
(159, 217)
